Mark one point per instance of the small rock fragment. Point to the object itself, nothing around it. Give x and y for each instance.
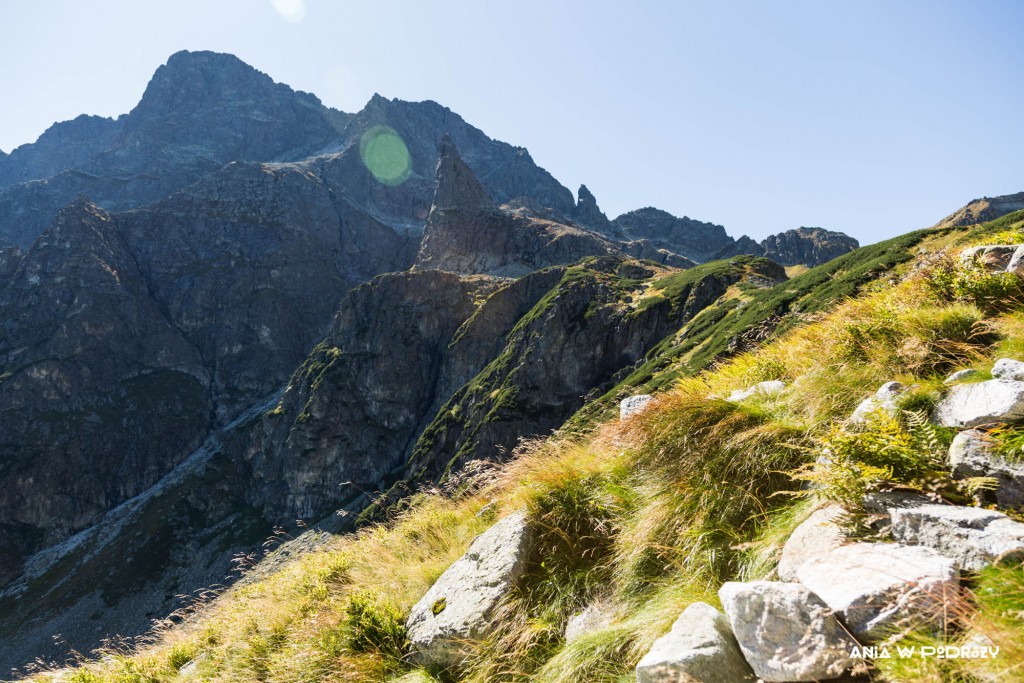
(633, 405)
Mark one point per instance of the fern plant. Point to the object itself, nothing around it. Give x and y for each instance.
(888, 452)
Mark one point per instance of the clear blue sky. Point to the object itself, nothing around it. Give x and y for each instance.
(869, 117)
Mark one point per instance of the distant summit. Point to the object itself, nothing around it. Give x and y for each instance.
(983, 210)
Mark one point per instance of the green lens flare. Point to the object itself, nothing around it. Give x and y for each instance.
(385, 155)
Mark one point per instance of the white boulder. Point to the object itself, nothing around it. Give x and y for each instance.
(700, 648)
(884, 399)
(458, 607)
(973, 537)
(817, 535)
(1007, 368)
(633, 405)
(877, 588)
(1016, 265)
(772, 387)
(786, 632)
(979, 403)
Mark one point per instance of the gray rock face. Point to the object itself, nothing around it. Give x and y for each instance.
(980, 403)
(884, 399)
(973, 537)
(457, 608)
(807, 246)
(1007, 368)
(879, 588)
(700, 648)
(816, 536)
(761, 389)
(786, 632)
(972, 454)
(633, 405)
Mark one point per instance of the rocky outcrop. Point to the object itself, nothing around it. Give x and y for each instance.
(700, 647)
(983, 210)
(572, 343)
(685, 236)
(806, 246)
(356, 404)
(466, 234)
(457, 609)
(974, 537)
(877, 589)
(786, 633)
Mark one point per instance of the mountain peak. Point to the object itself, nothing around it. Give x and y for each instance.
(457, 186)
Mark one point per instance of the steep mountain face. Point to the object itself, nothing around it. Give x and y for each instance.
(982, 210)
(99, 394)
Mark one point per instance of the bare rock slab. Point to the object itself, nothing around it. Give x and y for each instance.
(786, 632)
(877, 588)
(457, 608)
(975, 538)
(979, 403)
(700, 648)
(973, 454)
(629, 407)
(817, 535)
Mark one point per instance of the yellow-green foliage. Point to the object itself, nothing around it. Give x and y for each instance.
(646, 516)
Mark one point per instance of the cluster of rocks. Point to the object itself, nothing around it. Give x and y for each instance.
(836, 597)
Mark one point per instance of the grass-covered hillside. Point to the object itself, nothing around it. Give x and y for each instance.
(652, 513)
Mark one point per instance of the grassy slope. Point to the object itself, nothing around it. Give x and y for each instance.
(648, 515)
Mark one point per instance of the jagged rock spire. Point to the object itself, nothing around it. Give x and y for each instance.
(588, 213)
(457, 186)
